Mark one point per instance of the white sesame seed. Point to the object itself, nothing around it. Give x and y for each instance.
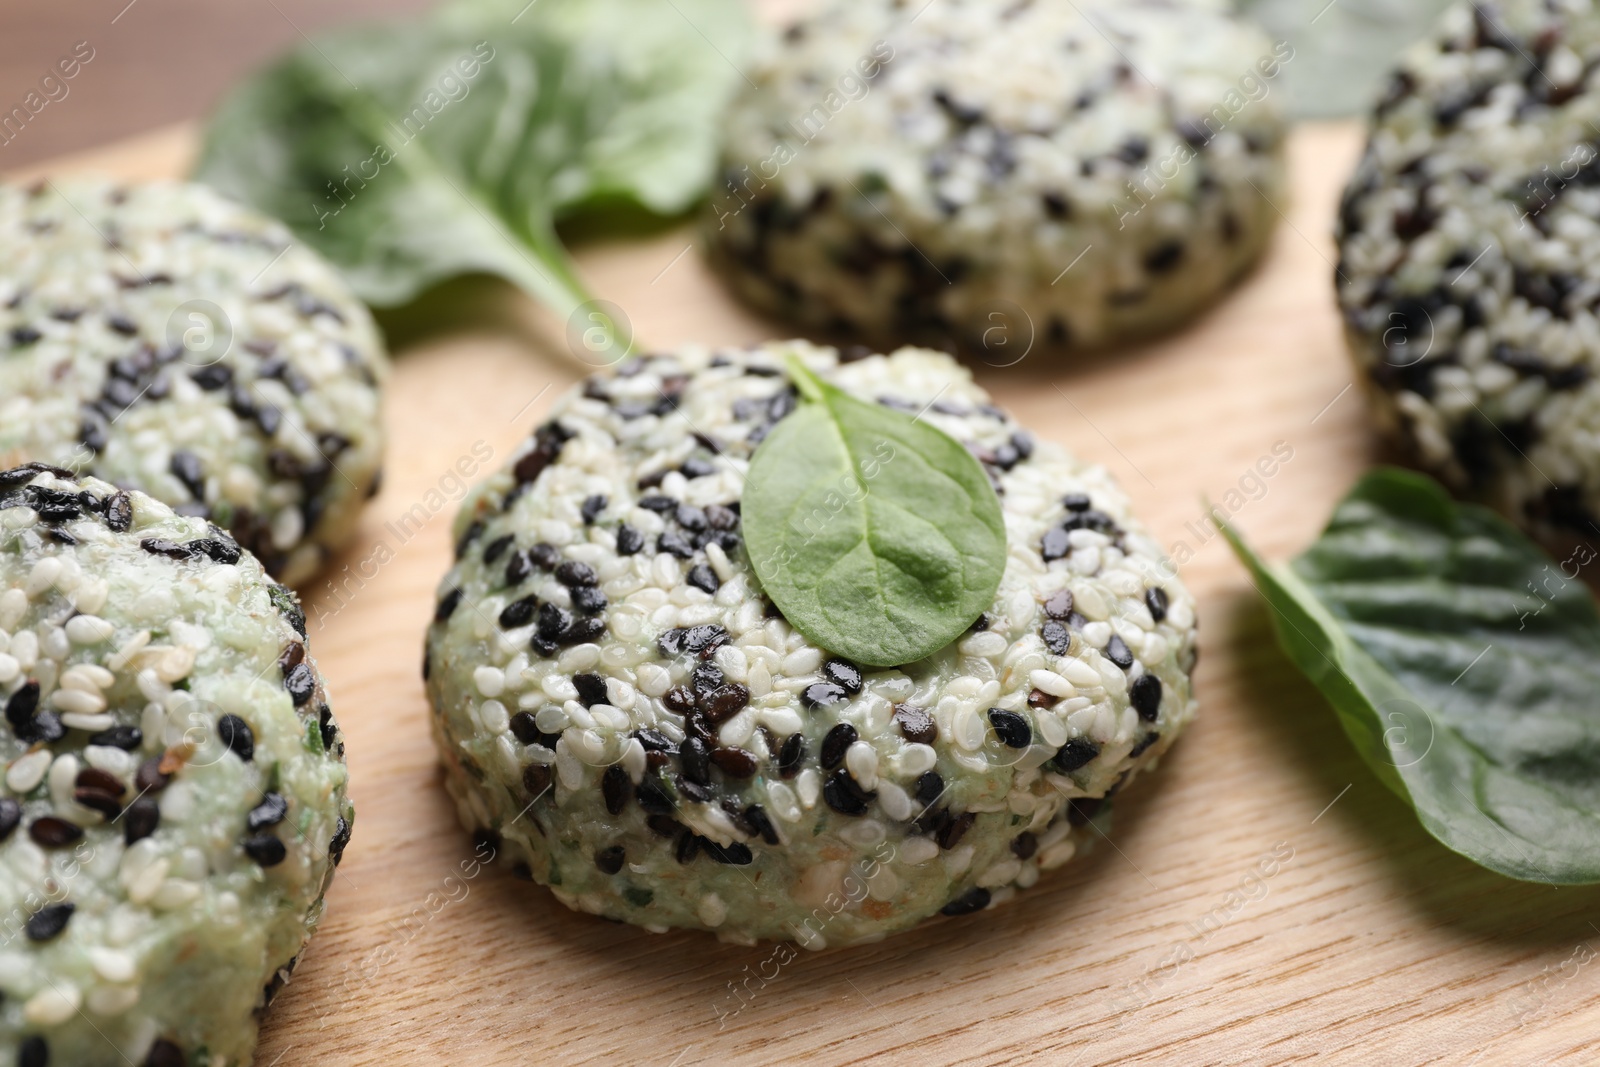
(26, 772)
(78, 702)
(89, 630)
(491, 681)
(112, 1000)
(81, 721)
(53, 1005)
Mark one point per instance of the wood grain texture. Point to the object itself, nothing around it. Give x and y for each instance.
(1263, 900)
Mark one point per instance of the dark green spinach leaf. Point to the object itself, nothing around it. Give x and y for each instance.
(411, 152)
(1464, 664)
(878, 536)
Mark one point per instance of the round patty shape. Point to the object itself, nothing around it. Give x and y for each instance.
(646, 734)
(1000, 174)
(173, 803)
(167, 340)
(1467, 273)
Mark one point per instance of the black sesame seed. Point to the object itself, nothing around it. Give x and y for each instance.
(929, 787)
(589, 599)
(49, 921)
(149, 778)
(164, 1053)
(497, 548)
(327, 728)
(265, 849)
(1145, 696)
(843, 673)
(98, 800)
(694, 756)
(33, 1052)
(584, 630)
(836, 744)
(702, 577)
(791, 756)
(545, 556)
(674, 543)
(823, 694)
(658, 504)
(1024, 845)
(45, 727)
(24, 335)
(591, 689)
(10, 816)
(236, 735)
(1057, 638)
(1075, 754)
(217, 549)
(609, 860)
(629, 540)
(734, 762)
(1059, 604)
(615, 787)
(1156, 600)
(554, 622)
(949, 835)
(688, 846)
(736, 854)
(339, 841)
(680, 698)
(185, 466)
(141, 819)
(975, 899)
(1117, 652)
(270, 812)
(216, 376)
(654, 799)
(693, 792)
(536, 779)
(518, 567)
(1076, 501)
(447, 605)
(525, 728)
(592, 507)
(473, 531)
(916, 725)
(22, 704)
(1144, 743)
(757, 820)
(1012, 729)
(652, 740)
(51, 832)
(126, 738)
(844, 794)
(518, 612)
(160, 547)
(300, 683)
(706, 678)
(724, 703)
(1056, 544)
(573, 573)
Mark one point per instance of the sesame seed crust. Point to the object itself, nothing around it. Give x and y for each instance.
(900, 179)
(173, 799)
(653, 747)
(163, 338)
(1468, 278)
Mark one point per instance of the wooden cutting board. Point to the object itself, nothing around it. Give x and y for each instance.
(1264, 899)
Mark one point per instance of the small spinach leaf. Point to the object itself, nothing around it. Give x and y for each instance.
(411, 152)
(1464, 664)
(878, 536)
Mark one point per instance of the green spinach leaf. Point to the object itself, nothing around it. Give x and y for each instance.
(878, 536)
(412, 152)
(1464, 664)
(1343, 50)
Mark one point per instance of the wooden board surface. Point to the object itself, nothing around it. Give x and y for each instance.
(1265, 899)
